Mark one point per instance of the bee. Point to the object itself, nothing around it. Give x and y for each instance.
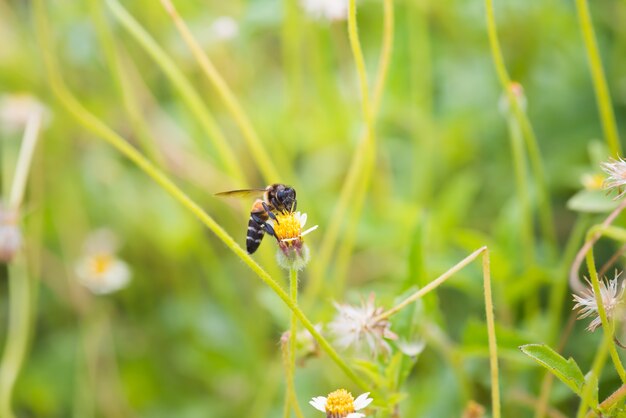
(274, 199)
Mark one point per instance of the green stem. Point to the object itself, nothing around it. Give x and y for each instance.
(123, 84)
(594, 374)
(188, 94)
(614, 232)
(96, 126)
(545, 207)
(359, 173)
(616, 397)
(345, 249)
(491, 330)
(523, 195)
(603, 97)
(606, 326)
(291, 361)
(258, 151)
(20, 289)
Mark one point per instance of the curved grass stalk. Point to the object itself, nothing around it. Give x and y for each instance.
(100, 129)
(362, 163)
(545, 207)
(122, 83)
(603, 97)
(186, 90)
(574, 282)
(347, 244)
(257, 150)
(491, 328)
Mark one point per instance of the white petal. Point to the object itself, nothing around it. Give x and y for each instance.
(311, 229)
(413, 348)
(302, 220)
(362, 401)
(355, 415)
(319, 403)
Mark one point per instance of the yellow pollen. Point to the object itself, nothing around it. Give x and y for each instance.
(287, 227)
(100, 263)
(339, 403)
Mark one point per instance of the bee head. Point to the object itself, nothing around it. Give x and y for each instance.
(286, 197)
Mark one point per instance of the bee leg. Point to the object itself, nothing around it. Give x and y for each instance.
(268, 228)
(276, 204)
(269, 211)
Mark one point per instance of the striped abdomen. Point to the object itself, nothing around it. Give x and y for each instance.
(256, 231)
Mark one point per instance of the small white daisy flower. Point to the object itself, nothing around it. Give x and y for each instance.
(326, 9)
(341, 404)
(99, 270)
(358, 326)
(10, 235)
(611, 294)
(293, 253)
(616, 171)
(225, 28)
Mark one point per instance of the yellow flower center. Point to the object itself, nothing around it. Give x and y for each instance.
(100, 263)
(287, 227)
(339, 404)
(593, 181)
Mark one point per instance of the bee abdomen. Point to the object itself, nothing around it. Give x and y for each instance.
(254, 236)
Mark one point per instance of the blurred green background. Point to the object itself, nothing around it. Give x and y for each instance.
(195, 333)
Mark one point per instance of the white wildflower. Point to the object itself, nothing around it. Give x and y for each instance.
(293, 253)
(611, 294)
(616, 171)
(359, 326)
(100, 270)
(341, 404)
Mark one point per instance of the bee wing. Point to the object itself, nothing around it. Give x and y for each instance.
(242, 193)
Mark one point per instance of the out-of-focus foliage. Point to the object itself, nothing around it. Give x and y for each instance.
(195, 333)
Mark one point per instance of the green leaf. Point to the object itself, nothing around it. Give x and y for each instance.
(566, 370)
(591, 201)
